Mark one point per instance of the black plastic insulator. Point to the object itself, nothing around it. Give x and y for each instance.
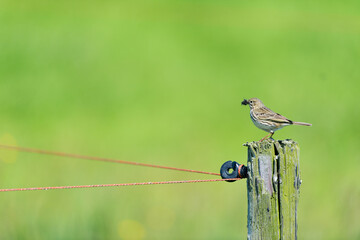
(230, 169)
(243, 172)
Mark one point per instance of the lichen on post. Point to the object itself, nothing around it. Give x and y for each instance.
(273, 189)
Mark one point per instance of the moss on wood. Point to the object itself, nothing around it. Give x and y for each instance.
(273, 189)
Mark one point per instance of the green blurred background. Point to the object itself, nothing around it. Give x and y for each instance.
(161, 82)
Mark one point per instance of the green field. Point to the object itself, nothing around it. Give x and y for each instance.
(161, 82)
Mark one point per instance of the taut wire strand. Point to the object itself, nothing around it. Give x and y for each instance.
(70, 155)
(114, 185)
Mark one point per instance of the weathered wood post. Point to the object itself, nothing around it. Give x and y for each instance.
(273, 189)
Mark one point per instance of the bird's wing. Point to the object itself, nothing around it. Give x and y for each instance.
(267, 114)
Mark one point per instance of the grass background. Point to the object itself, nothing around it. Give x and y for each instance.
(161, 82)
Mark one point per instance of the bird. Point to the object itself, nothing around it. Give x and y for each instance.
(266, 119)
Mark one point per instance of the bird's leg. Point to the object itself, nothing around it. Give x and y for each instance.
(272, 133)
(267, 136)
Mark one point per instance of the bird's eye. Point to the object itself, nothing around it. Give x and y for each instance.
(251, 101)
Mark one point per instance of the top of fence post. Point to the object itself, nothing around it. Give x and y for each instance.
(273, 189)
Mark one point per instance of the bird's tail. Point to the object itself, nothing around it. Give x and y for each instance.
(302, 123)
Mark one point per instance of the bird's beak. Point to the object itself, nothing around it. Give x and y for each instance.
(245, 102)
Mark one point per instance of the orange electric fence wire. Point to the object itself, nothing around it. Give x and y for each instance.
(61, 154)
(114, 185)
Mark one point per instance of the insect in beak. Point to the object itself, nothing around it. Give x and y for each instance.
(245, 102)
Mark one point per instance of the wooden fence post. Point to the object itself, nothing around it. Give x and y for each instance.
(273, 189)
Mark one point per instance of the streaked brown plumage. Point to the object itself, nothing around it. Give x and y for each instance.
(267, 120)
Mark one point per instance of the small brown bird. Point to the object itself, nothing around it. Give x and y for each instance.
(266, 119)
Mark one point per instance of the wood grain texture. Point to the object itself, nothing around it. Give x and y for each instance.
(273, 189)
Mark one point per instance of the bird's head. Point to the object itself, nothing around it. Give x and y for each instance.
(253, 103)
